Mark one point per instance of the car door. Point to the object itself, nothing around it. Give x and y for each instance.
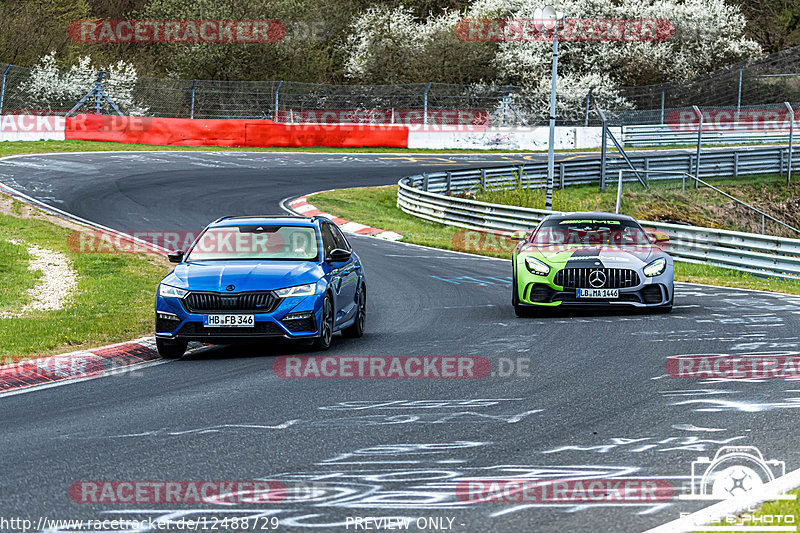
(346, 276)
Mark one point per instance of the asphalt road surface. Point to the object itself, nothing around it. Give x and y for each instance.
(581, 396)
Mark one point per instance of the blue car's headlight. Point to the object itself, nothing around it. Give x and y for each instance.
(298, 290)
(537, 267)
(655, 268)
(169, 290)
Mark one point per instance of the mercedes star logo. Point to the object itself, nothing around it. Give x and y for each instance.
(231, 287)
(597, 278)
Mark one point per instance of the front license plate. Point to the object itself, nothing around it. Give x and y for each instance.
(229, 321)
(598, 293)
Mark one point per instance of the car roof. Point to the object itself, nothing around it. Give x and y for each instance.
(281, 220)
(600, 215)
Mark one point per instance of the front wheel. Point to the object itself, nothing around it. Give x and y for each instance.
(170, 349)
(323, 342)
(357, 329)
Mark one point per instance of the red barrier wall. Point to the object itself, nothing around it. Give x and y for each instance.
(197, 132)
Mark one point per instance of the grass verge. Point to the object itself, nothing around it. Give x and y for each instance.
(113, 301)
(32, 147)
(376, 206)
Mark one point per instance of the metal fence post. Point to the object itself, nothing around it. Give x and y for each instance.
(3, 88)
(449, 181)
(699, 144)
(194, 86)
(603, 150)
(663, 99)
(275, 113)
(735, 164)
(425, 182)
(588, 97)
(520, 172)
(739, 97)
(98, 87)
(483, 180)
(791, 139)
(425, 105)
(562, 170)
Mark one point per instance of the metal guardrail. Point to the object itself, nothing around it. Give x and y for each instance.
(670, 134)
(761, 255)
(714, 163)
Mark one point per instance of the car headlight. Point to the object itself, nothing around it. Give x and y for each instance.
(537, 267)
(655, 268)
(298, 290)
(169, 290)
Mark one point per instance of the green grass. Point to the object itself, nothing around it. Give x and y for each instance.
(15, 278)
(32, 147)
(113, 301)
(376, 206)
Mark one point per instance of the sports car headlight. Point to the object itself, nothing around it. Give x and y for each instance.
(536, 267)
(655, 268)
(169, 290)
(298, 290)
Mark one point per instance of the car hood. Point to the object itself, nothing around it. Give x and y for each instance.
(576, 256)
(243, 275)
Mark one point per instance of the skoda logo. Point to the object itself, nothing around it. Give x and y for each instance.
(597, 278)
(230, 287)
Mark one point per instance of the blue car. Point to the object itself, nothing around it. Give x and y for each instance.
(247, 278)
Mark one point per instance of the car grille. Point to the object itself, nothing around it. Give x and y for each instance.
(253, 302)
(578, 278)
(197, 330)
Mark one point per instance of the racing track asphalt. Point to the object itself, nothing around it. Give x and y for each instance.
(595, 400)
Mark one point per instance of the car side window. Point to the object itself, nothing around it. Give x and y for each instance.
(328, 242)
(341, 241)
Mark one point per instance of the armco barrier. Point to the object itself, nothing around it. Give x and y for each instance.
(713, 163)
(748, 252)
(730, 133)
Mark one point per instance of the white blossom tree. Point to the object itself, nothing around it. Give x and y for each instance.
(50, 87)
(387, 44)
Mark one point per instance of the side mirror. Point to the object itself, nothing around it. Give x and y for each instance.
(518, 235)
(176, 256)
(658, 237)
(338, 255)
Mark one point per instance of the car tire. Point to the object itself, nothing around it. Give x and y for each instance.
(357, 329)
(520, 310)
(323, 341)
(170, 349)
(514, 293)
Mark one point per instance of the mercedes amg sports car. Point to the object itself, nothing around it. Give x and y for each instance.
(248, 278)
(591, 259)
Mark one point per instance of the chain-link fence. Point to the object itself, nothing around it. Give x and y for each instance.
(745, 87)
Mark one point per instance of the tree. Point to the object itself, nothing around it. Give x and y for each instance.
(32, 28)
(775, 24)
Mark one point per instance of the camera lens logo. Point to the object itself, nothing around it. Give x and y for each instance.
(734, 471)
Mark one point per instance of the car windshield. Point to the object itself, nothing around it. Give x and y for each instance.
(266, 242)
(590, 232)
